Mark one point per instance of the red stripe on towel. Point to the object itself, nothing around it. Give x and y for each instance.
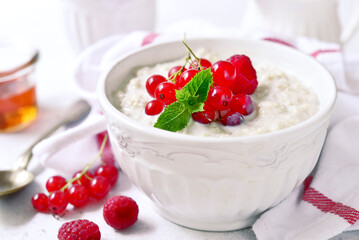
(327, 205)
(316, 53)
(149, 38)
(307, 182)
(276, 40)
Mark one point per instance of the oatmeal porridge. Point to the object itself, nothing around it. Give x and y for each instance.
(280, 101)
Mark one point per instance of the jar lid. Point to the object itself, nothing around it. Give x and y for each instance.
(14, 57)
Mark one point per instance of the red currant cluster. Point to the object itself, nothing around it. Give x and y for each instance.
(234, 80)
(78, 190)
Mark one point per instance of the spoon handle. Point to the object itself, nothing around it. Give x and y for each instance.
(76, 113)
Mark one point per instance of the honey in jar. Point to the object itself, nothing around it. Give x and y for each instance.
(18, 106)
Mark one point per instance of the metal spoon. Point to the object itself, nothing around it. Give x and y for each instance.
(14, 180)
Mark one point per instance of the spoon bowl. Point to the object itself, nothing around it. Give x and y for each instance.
(14, 180)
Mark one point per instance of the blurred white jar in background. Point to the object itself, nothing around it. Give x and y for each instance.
(87, 21)
(312, 18)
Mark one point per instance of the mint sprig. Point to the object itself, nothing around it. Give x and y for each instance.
(190, 99)
(174, 118)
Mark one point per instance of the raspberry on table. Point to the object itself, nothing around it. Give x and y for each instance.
(80, 229)
(120, 212)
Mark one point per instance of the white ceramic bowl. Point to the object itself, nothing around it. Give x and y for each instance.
(210, 183)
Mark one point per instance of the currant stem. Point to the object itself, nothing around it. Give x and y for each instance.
(173, 77)
(86, 168)
(194, 55)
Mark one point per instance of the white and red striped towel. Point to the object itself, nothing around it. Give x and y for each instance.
(327, 204)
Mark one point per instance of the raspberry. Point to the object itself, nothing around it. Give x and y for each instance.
(120, 212)
(80, 229)
(246, 76)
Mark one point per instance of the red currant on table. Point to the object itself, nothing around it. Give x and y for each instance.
(84, 180)
(39, 202)
(232, 118)
(204, 63)
(78, 195)
(57, 202)
(220, 98)
(186, 76)
(224, 73)
(152, 83)
(207, 116)
(174, 70)
(242, 103)
(165, 93)
(99, 187)
(110, 172)
(55, 183)
(154, 107)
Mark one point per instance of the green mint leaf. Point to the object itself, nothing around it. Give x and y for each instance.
(190, 101)
(193, 105)
(175, 117)
(198, 86)
(182, 96)
(198, 107)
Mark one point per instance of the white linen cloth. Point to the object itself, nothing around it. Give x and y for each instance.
(327, 207)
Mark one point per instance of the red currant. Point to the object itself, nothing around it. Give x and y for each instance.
(152, 83)
(85, 179)
(78, 195)
(232, 118)
(220, 97)
(154, 107)
(207, 116)
(39, 202)
(242, 103)
(165, 93)
(108, 171)
(173, 71)
(55, 183)
(186, 76)
(224, 73)
(204, 63)
(99, 187)
(57, 202)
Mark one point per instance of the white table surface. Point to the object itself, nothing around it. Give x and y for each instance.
(39, 22)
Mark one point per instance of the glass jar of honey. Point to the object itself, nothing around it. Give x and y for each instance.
(18, 106)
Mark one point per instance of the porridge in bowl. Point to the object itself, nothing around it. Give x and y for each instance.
(280, 101)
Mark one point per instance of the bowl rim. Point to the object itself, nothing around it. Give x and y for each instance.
(108, 107)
